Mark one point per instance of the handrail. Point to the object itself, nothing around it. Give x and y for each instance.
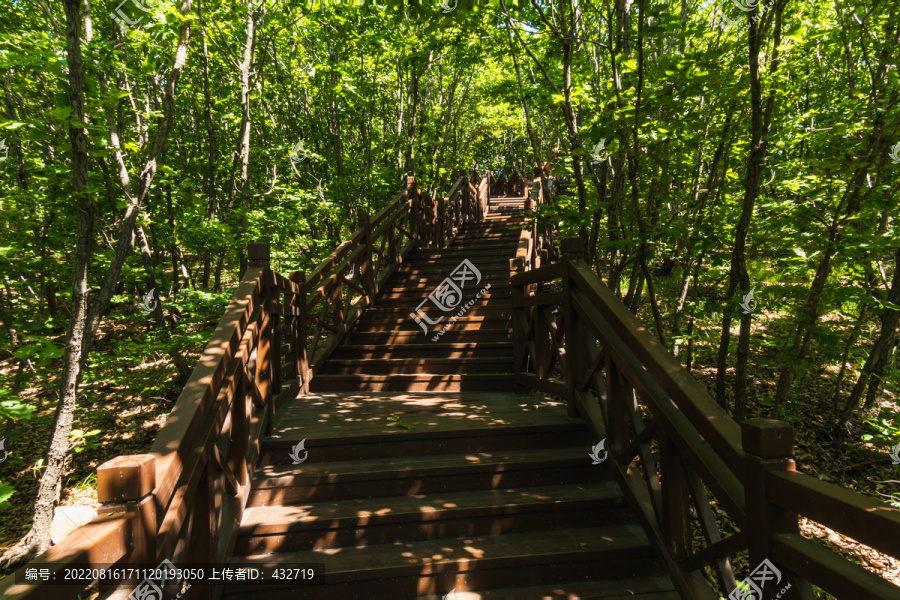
(184, 501)
(582, 344)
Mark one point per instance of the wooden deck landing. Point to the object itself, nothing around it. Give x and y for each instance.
(355, 414)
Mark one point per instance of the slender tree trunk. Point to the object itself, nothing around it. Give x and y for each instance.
(211, 200)
(738, 278)
(244, 135)
(889, 320)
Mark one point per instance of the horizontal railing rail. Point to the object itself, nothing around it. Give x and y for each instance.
(184, 501)
(676, 452)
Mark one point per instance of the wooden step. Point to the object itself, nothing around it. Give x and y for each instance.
(496, 320)
(427, 284)
(412, 350)
(448, 264)
(440, 269)
(499, 241)
(408, 475)
(473, 254)
(422, 440)
(325, 525)
(414, 335)
(500, 234)
(468, 293)
(389, 311)
(411, 300)
(474, 382)
(407, 570)
(649, 588)
(401, 366)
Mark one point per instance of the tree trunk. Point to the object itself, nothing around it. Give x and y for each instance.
(37, 540)
(889, 320)
(83, 324)
(244, 135)
(760, 124)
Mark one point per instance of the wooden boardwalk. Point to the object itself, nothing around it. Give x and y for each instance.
(323, 425)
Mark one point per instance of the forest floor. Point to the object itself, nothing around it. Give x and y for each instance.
(132, 384)
(835, 455)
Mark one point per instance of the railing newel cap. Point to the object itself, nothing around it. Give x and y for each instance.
(258, 253)
(572, 245)
(767, 438)
(126, 478)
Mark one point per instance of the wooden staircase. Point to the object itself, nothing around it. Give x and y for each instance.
(444, 482)
(387, 350)
(426, 475)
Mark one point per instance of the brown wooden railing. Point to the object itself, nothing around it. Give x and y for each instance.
(679, 456)
(184, 500)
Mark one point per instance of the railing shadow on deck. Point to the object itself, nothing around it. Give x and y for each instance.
(183, 502)
(676, 452)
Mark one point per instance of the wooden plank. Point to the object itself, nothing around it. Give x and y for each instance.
(203, 386)
(611, 540)
(285, 284)
(589, 409)
(545, 273)
(264, 520)
(539, 300)
(866, 520)
(828, 570)
(548, 386)
(716, 426)
(711, 466)
(103, 541)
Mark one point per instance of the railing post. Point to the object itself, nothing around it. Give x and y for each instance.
(299, 351)
(258, 255)
(676, 502)
(536, 243)
(769, 446)
(487, 196)
(516, 266)
(576, 350)
(415, 210)
(368, 265)
(126, 484)
(440, 224)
